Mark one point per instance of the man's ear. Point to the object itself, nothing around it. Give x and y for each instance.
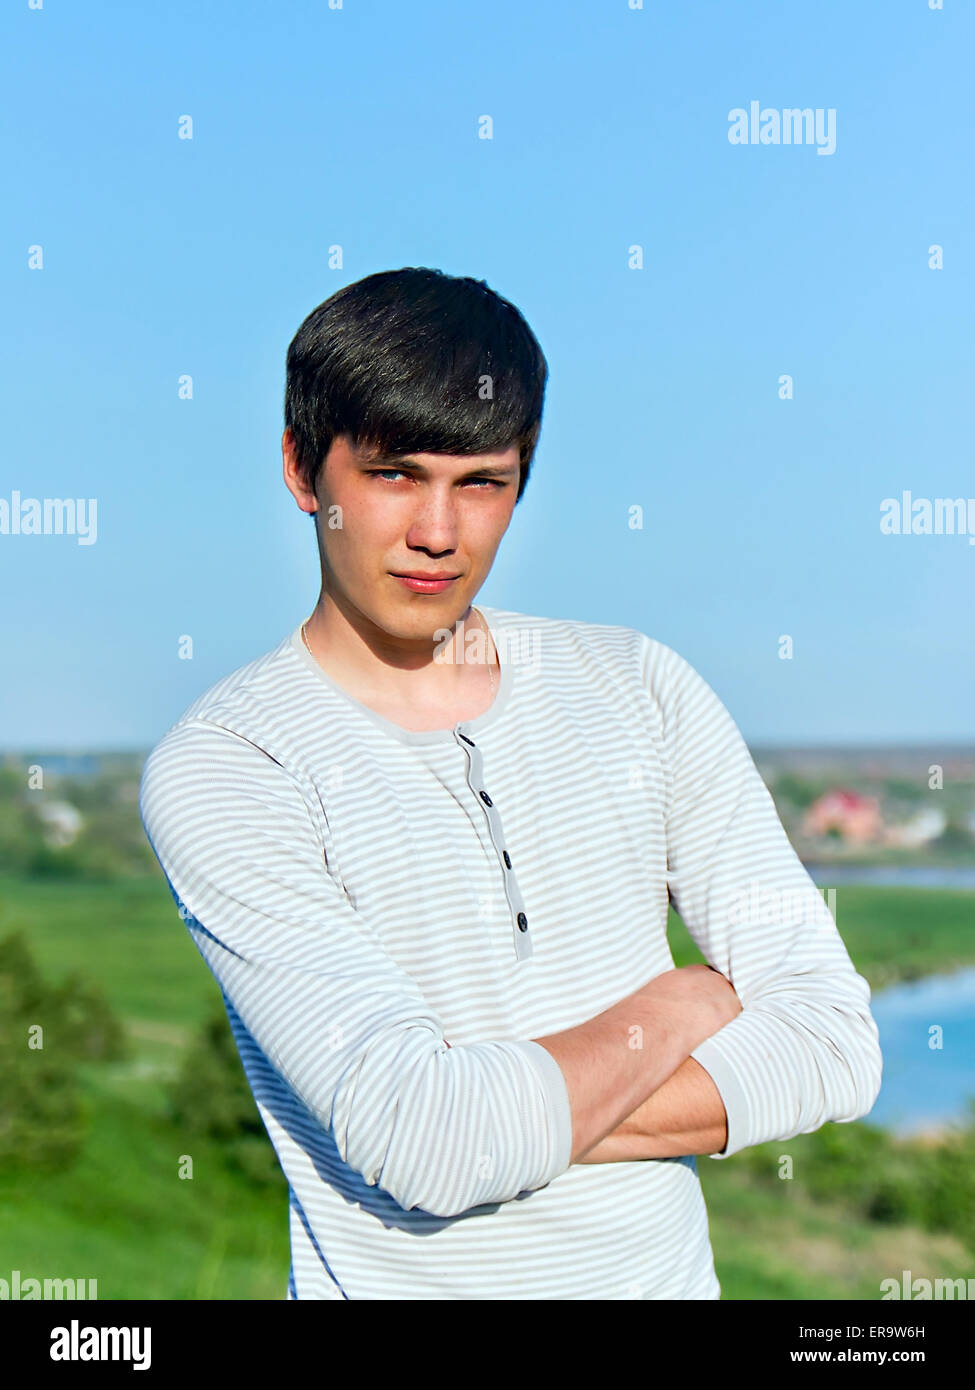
(294, 477)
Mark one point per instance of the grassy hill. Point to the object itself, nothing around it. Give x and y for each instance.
(121, 1214)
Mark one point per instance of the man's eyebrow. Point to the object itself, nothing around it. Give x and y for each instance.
(405, 461)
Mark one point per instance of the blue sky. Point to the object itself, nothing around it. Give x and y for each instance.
(357, 127)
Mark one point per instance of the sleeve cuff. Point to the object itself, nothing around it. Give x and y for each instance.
(714, 1061)
(559, 1109)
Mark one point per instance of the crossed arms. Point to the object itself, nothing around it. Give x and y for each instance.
(684, 1115)
(789, 1042)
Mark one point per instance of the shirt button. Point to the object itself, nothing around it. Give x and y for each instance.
(507, 859)
(522, 922)
(486, 799)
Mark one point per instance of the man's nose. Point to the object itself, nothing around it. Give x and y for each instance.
(435, 524)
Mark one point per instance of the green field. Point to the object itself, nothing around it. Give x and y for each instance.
(120, 1214)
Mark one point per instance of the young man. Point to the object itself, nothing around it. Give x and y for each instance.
(427, 850)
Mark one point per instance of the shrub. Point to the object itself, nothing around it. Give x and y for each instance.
(43, 1119)
(211, 1097)
(865, 1169)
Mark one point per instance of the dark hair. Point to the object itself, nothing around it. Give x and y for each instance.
(397, 362)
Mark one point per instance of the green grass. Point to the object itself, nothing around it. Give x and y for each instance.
(122, 1215)
(891, 933)
(126, 935)
(782, 1245)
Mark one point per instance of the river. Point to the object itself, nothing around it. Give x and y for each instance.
(895, 875)
(927, 1036)
(925, 1086)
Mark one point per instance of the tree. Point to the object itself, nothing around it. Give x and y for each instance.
(211, 1097)
(45, 1033)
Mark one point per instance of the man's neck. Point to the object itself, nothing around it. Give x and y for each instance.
(420, 680)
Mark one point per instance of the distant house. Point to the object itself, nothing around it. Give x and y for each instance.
(62, 822)
(844, 813)
(923, 827)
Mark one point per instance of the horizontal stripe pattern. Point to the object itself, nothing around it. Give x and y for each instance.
(355, 889)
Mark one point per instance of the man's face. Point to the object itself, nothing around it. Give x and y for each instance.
(427, 514)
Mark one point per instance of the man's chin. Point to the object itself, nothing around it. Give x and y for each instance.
(418, 615)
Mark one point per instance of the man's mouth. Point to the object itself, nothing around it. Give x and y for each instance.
(426, 583)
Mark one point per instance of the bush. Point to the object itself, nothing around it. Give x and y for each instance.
(45, 1032)
(862, 1167)
(798, 791)
(211, 1097)
(85, 1022)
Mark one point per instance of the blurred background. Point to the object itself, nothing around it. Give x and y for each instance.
(756, 448)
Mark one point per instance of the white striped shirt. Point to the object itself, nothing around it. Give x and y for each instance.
(393, 915)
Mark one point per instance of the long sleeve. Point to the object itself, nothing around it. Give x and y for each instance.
(240, 840)
(805, 1049)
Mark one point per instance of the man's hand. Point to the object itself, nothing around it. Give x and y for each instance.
(685, 1115)
(699, 995)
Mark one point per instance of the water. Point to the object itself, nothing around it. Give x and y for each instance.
(925, 1086)
(895, 875)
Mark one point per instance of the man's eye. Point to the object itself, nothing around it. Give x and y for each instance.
(398, 473)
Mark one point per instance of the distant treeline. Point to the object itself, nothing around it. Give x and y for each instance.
(110, 842)
(86, 825)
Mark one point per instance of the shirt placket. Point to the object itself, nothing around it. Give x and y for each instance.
(516, 906)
